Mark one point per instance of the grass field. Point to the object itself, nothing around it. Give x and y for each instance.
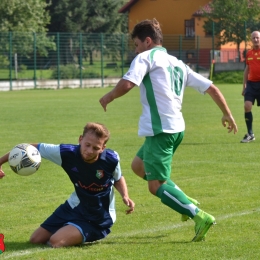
(210, 165)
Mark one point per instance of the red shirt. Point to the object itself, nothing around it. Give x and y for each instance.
(253, 63)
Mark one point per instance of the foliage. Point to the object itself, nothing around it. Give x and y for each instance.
(231, 18)
(230, 77)
(4, 61)
(210, 165)
(23, 16)
(19, 22)
(87, 16)
(72, 72)
(91, 17)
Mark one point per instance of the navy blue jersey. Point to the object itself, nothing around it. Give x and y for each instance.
(93, 182)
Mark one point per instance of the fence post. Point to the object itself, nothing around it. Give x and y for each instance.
(122, 54)
(244, 56)
(10, 60)
(58, 59)
(80, 58)
(34, 59)
(213, 41)
(102, 65)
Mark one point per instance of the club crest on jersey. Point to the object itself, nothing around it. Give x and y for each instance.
(100, 174)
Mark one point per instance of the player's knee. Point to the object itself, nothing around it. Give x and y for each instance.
(248, 106)
(53, 242)
(35, 240)
(138, 167)
(152, 189)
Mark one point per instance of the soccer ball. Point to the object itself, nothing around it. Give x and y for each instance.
(24, 159)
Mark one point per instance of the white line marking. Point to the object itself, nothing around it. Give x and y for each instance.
(133, 233)
(171, 227)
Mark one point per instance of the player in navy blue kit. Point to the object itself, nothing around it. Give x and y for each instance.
(89, 213)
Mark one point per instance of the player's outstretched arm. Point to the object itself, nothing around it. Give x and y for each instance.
(227, 119)
(121, 187)
(3, 160)
(122, 87)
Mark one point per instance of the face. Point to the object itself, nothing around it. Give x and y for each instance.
(255, 38)
(90, 147)
(142, 46)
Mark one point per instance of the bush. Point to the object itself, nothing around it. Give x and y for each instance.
(4, 62)
(73, 72)
(232, 77)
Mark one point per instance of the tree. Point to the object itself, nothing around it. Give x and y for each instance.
(20, 21)
(23, 16)
(233, 20)
(88, 17)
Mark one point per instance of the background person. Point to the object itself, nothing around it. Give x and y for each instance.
(162, 79)
(251, 85)
(89, 213)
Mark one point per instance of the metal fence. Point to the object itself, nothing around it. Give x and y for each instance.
(59, 60)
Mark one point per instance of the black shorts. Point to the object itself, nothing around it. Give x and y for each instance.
(252, 92)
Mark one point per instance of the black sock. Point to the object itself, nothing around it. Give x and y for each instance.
(249, 122)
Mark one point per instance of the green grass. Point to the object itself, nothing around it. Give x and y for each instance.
(210, 165)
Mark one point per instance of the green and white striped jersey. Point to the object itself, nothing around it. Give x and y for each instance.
(162, 79)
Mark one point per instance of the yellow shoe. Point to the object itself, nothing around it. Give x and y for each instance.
(203, 222)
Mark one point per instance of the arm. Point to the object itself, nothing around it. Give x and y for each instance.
(245, 79)
(121, 187)
(4, 159)
(122, 87)
(219, 99)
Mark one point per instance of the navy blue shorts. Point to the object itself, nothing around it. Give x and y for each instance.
(65, 215)
(252, 92)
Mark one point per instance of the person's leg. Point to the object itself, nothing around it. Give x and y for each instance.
(250, 95)
(158, 153)
(173, 198)
(40, 236)
(194, 201)
(248, 116)
(66, 236)
(157, 163)
(138, 169)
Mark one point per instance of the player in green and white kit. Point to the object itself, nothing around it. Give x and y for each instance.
(162, 79)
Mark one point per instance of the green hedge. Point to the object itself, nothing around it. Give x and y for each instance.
(232, 77)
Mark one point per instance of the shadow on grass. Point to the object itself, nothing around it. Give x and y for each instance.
(18, 246)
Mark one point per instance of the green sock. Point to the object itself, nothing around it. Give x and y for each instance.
(171, 183)
(176, 200)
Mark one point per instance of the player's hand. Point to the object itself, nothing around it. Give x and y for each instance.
(229, 122)
(130, 204)
(2, 174)
(105, 100)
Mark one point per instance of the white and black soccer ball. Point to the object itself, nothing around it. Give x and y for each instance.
(24, 159)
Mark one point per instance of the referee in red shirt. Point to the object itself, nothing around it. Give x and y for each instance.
(251, 85)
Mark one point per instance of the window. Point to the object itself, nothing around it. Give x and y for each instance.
(189, 28)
